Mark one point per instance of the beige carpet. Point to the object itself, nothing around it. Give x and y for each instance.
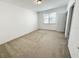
(40, 43)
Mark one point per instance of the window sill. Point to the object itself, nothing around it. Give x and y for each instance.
(49, 23)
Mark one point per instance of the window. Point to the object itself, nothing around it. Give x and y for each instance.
(50, 18)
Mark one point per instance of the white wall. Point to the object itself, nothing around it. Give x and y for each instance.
(74, 34)
(61, 22)
(15, 21)
(59, 11)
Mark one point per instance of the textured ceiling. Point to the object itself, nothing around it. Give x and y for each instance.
(46, 4)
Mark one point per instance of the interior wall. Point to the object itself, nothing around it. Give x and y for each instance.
(74, 33)
(59, 11)
(15, 21)
(61, 22)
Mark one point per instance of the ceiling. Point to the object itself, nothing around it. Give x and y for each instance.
(46, 4)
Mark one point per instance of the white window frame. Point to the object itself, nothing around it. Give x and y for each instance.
(49, 18)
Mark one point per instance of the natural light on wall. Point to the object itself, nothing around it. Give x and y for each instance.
(50, 18)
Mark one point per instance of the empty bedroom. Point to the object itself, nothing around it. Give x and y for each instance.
(36, 28)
